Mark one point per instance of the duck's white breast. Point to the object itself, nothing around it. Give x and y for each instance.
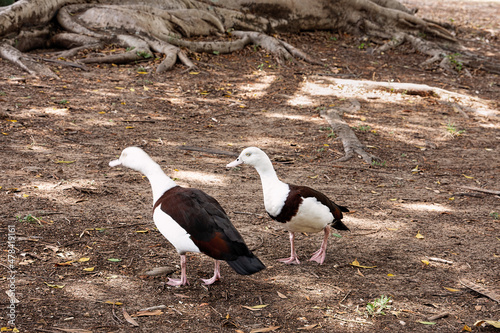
(173, 232)
(312, 216)
(275, 197)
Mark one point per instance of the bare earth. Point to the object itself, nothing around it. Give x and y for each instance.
(72, 213)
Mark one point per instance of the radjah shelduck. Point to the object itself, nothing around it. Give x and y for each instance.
(300, 208)
(191, 220)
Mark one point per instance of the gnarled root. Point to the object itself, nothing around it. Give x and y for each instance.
(25, 62)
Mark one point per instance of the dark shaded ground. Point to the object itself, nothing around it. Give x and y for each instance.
(58, 137)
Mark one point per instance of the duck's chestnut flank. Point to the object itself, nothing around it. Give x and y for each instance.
(300, 208)
(191, 220)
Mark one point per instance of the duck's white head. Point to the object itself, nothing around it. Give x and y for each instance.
(252, 156)
(134, 158)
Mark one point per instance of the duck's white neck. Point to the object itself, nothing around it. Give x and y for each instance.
(274, 189)
(159, 181)
(266, 172)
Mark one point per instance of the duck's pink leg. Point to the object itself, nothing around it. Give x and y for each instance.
(293, 260)
(320, 255)
(183, 280)
(216, 275)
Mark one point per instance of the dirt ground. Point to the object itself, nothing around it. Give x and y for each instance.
(84, 232)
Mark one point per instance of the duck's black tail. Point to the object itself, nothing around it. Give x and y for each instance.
(339, 225)
(342, 208)
(246, 265)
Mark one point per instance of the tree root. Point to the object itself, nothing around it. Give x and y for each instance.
(473, 105)
(24, 62)
(139, 50)
(163, 26)
(283, 51)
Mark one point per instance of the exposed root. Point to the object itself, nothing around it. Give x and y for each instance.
(163, 26)
(211, 47)
(74, 43)
(25, 62)
(472, 105)
(139, 50)
(282, 50)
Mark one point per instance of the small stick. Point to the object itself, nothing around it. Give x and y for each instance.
(115, 317)
(441, 260)
(248, 213)
(208, 150)
(346, 295)
(138, 121)
(482, 190)
(351, 321)
(438, 316)
(368, 233)
(156, 307)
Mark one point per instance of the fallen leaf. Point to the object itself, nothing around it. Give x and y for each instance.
(493, 323)
(141, 231)
(468, 177)
(355, 263)
(114, 259)
(280, 295)
(84, 259)
(466, 328)
(74, 330)
(57, 286)
(148, 313)
(67, 263)
(427, 322)
(129, 319)
(426, 262)
(113, 303)
(65, 162)
(89, 269)
(390, 274)
(419, 235)
(451, 289)
(336, 235)
(265, 329)
(255, 307)
(308, 327)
